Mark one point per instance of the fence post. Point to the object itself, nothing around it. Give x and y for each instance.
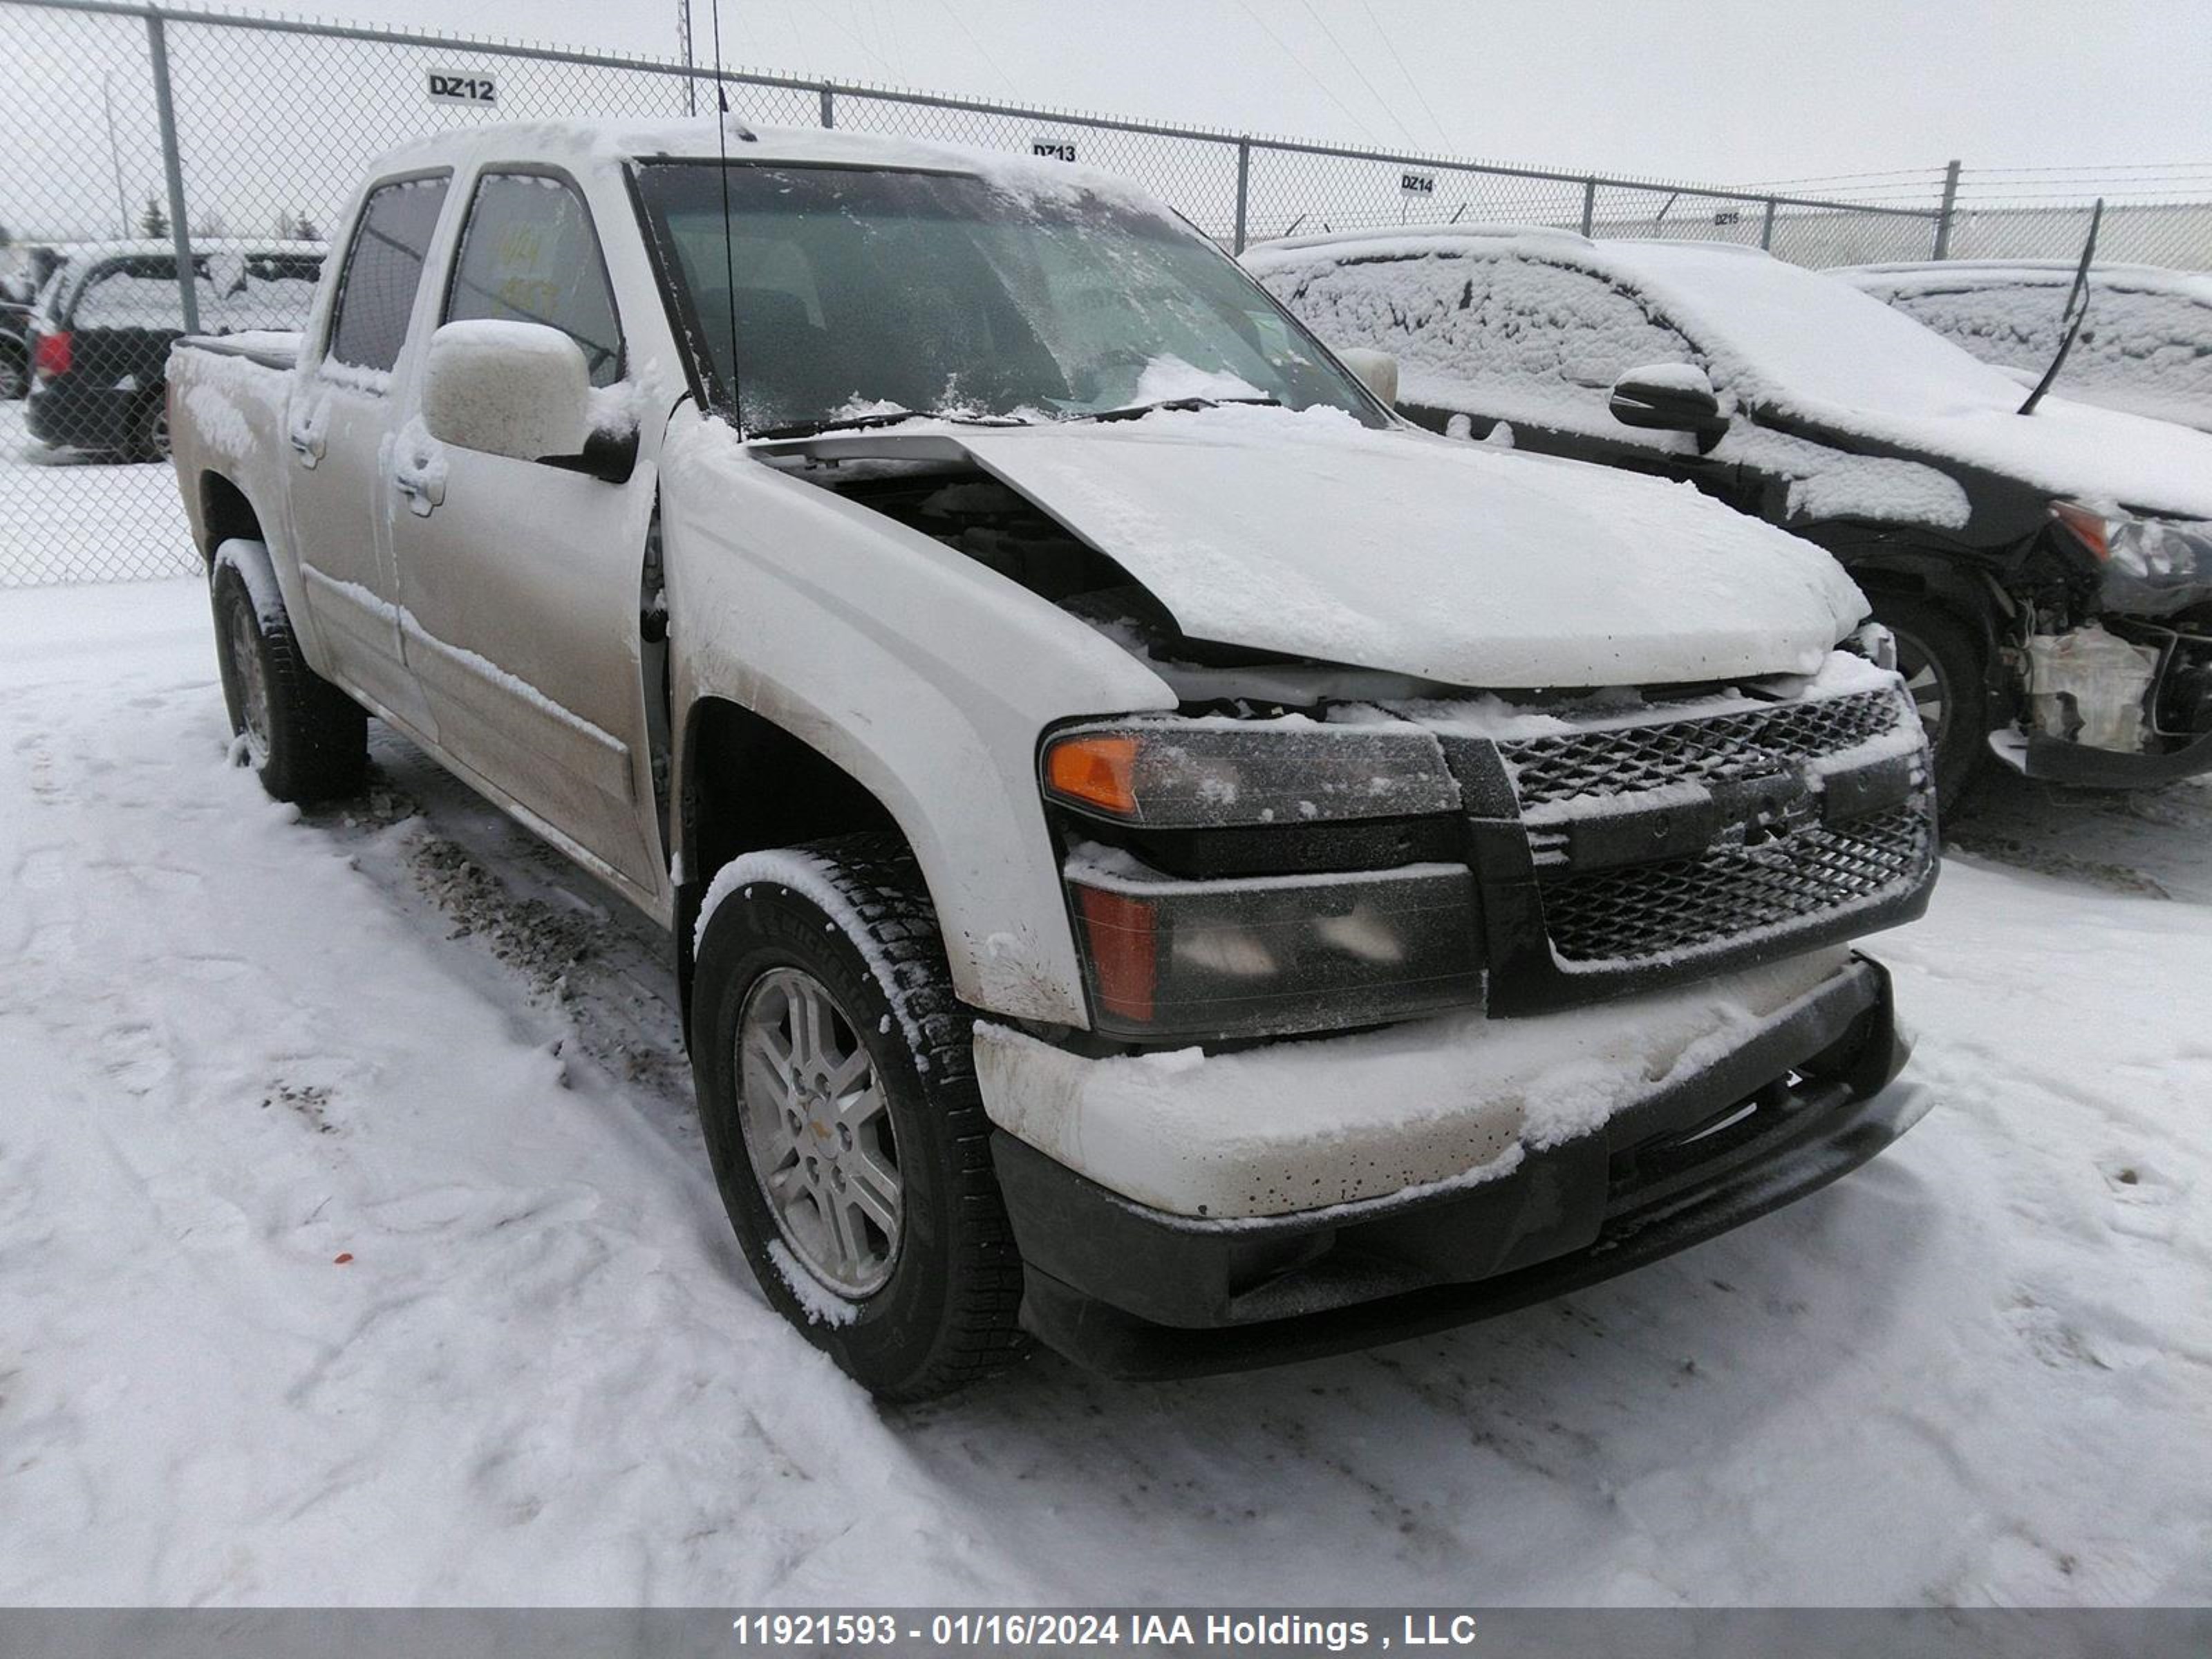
(1950, 201)
(683, 38)
(828, 105)
(173, 167)
(1243, 187)
(1766, 227)
(1589, 204)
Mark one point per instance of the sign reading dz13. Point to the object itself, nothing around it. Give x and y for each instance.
(1418, 184)
(475, 90)
(1059, 149)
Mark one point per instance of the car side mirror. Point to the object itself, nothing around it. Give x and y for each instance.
(1670, 398)
(520, 389)
(1376, 370)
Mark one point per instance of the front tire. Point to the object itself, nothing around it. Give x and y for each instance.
(305, 738)
(837, 1092)
(1944, 670)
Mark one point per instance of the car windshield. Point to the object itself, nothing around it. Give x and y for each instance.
(856, 295)
(1790, 337)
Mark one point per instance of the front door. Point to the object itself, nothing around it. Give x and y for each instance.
(519, 581)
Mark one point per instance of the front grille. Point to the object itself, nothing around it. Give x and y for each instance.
(1729, 892)
(1616, 760)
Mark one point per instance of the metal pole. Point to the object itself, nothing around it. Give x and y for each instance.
(173, 165)
(828, 105)
(1243, 187)
(115, 157)
(1766, 227)
(1589, 204)
(1943, 218)
(690, 81)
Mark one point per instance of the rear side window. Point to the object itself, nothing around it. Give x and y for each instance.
(383, 271)
(138, 293)
(530, 255)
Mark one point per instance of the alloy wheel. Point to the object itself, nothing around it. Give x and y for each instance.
(818, 1130)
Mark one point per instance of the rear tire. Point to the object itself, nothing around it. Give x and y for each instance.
(149, 430)
(14, 375)
(305, 738)
(865, 1205)
(1944, 668)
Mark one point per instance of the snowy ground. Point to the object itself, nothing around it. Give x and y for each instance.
(357, 1244)
(69, 517)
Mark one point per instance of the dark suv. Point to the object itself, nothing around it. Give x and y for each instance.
(2048, 575)
(100, 336)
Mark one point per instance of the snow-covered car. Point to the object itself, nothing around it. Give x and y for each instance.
(2146, 346)
(101, 330)
(1159, 854)
(2048, 575)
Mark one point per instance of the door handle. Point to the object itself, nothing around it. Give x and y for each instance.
(307, 443)
(423, 489)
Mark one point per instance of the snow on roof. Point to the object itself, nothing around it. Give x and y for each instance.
(702, 139)
(1786, 342)
(1427, 239)
(1966, 276)
(161, 247)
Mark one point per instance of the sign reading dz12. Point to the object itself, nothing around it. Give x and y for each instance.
(477, 91)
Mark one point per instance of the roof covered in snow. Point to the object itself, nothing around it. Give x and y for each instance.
(1965, 276)
(706, 138)
(1779, 339)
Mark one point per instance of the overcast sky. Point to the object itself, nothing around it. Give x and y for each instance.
(1720, 90)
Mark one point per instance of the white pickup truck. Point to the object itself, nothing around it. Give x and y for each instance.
(1161, 857)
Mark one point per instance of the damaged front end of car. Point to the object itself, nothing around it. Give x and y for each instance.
(2115, 672)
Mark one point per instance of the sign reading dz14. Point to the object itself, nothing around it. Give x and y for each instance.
(475, 90)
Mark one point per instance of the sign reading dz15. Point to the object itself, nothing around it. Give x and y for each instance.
(476, 90)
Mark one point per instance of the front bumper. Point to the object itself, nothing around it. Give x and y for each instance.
(2056, 761)
(1133, 1292)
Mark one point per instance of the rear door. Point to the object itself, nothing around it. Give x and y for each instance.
(520, 581)
(338, 426)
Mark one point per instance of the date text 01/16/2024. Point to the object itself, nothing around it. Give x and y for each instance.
(1084, 1629)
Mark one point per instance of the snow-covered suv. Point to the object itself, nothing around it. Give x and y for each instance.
(2145, 347)
(2048, 575)
(1159, 854)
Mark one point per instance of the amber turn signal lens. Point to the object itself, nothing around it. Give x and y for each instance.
(2087, 524)
(1123, 934)
(1098, 770)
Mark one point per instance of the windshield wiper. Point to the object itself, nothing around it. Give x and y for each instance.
(879, 417)
(1137, 412)
(845, 423)
(2080, 292)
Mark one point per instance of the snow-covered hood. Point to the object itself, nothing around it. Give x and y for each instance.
(1313, 536)
(2066, 450)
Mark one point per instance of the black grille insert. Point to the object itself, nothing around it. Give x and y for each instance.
(1615, 760)
(1633, 914)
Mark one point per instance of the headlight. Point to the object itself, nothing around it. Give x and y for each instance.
(1261, 955)
(1187, 775)
(1334, 943)
(2151, 567)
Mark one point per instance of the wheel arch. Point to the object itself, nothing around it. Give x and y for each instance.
(1883, 562)
(226, 514)
(744, 784)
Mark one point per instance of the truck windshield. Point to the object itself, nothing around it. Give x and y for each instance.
(856, 293)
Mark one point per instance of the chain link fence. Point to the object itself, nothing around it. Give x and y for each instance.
(137, 141)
